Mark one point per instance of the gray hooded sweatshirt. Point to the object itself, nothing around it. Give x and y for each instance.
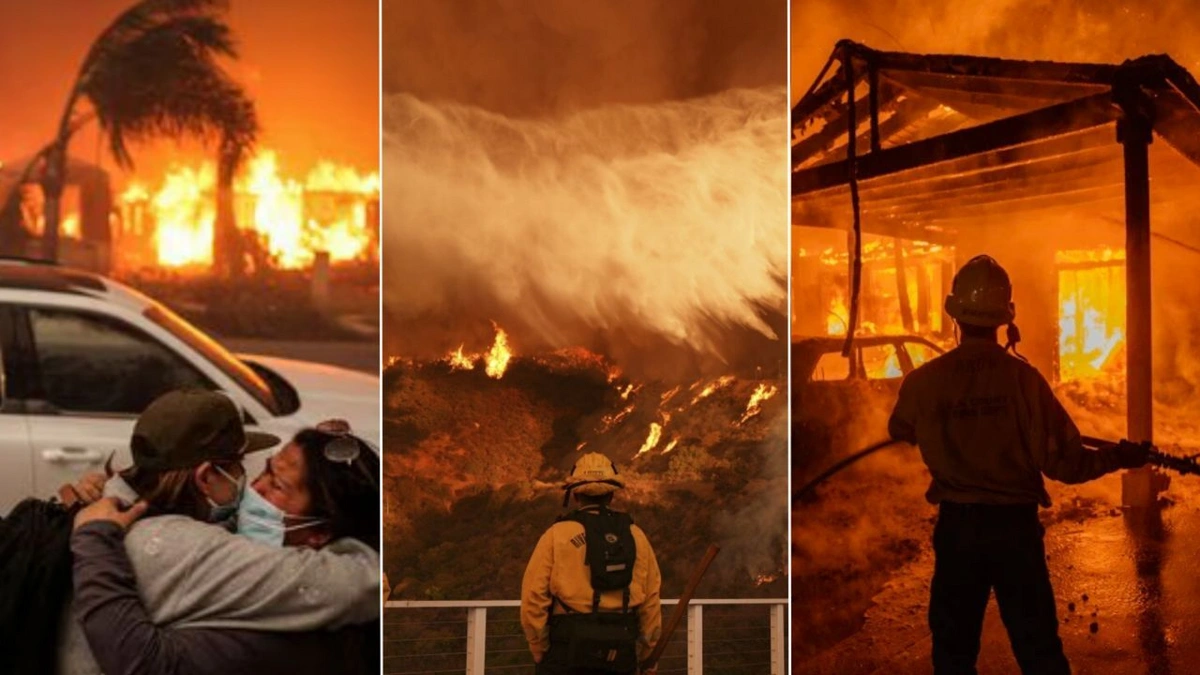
(198, 575)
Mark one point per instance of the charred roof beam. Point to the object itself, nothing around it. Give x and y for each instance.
(1073, 116)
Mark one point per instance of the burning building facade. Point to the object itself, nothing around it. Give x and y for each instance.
(167, 224)
(1046, 166)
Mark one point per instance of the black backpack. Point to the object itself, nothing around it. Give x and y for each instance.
(604, 641)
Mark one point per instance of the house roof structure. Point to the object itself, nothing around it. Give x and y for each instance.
(947, 142)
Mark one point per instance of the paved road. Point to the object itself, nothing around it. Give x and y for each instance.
(356, 355)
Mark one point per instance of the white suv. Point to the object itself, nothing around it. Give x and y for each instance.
(82, 355)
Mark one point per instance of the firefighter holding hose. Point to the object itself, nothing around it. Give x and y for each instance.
(989, 428)
(590, 596)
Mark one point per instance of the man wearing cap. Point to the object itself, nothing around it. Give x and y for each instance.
(227, 598)
(989, 427)
(557, 592)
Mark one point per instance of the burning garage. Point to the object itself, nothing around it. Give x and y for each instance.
(1046, 166)
(1073, 175)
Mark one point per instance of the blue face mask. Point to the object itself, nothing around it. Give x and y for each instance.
(218, 513)
(260, 520)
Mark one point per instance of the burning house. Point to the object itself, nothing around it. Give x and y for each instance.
(332, 214)
(905, 165)
(87, 204)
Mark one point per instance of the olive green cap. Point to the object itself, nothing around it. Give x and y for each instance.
(185, 428)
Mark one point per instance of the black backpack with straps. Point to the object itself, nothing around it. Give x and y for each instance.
(604, 641)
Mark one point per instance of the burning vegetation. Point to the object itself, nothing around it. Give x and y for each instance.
(494, 426)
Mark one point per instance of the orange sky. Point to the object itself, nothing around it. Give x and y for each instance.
(311, 65)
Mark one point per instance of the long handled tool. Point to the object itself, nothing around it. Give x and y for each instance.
(1187, 464)
(681, 608)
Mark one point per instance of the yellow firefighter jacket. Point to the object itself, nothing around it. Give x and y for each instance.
(558, 567)
(989, 426)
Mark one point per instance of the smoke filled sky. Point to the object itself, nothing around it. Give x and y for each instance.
(532, 57)
(1071, 30)
(310, 65)
(609, 175)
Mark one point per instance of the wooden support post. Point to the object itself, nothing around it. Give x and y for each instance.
(1135, 133)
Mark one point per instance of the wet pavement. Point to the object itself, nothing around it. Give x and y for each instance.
(1127, 584)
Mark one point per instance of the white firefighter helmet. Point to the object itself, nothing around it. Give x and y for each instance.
(982, 294)
(594, 474)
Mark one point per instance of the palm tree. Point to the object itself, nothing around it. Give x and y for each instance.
(154, 72)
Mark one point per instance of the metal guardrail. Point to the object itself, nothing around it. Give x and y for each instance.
(744, 636)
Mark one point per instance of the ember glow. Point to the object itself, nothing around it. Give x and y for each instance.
(294, 220)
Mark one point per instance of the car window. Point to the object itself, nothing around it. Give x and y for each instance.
(920, 352)
(91, 363)
(217, 355)
(881, 362)
(831, 367)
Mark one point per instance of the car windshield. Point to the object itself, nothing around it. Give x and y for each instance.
(215, 353)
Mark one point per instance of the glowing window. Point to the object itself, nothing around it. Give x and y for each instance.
(1091, 314)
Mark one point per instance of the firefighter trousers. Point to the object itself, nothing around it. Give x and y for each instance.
(979, 548)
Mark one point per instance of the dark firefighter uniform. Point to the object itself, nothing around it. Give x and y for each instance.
(989, 427)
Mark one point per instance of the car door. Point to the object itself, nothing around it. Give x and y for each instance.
(91, 374)
(16, 459)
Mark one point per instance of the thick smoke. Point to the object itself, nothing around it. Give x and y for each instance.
(662, 222)
(608, 175)
(1077, 30)
(541, 57)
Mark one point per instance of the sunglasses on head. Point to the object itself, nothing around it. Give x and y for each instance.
(344, 447)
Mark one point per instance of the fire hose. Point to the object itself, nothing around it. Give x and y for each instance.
(1188, 464)
(826, 474)
(680, 609)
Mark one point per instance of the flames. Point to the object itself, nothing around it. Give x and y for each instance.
(498, 356)
(839, 315)
(762, 394)
(294, 220)
(923, 263)
(711, 388)
(1091, 328)
(495, 360)
(1091, 303)
(652, 438)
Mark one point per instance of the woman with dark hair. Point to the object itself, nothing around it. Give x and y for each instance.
(327, 474)
(176, 594)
